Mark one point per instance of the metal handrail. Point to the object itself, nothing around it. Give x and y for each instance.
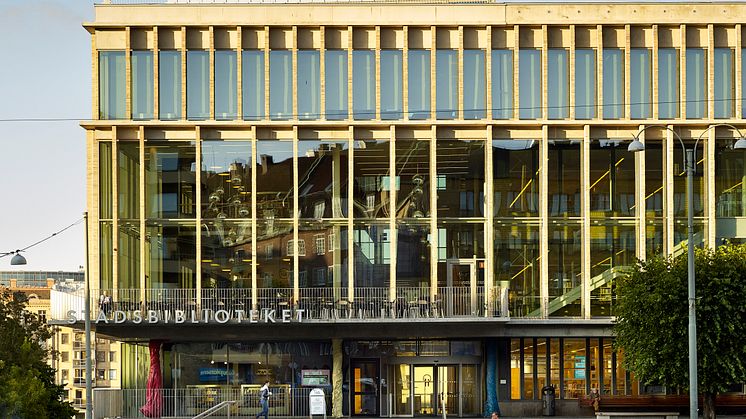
(215, 408)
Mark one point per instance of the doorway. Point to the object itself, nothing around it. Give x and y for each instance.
(365, 389)
(465, 280)
(429, 389)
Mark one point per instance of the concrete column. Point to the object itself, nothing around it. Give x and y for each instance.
(654, 78)
(252, 164)
(544, 226)
(739, 71)
(337, 378)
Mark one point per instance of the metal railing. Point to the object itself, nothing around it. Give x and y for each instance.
(192, 401)
(309, 304)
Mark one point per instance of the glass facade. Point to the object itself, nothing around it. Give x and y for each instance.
(226, 85)
(391, 84)
(198, 84)
(142, 85)
(309, 84)
(336, 84)
(169, 85)
(280, 84)
(668, 83)
(613, 84)
(252, 79)
(696, 83)
(111, 85)
(446, 84)
(529, 87)
(475, 104)
(558, 83)
(723, 88)
(502, 84)
(419, 84)
(641, 103)
(364, 84)
(585, 84)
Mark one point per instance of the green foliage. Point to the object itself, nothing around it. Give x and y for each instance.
(27, 388)
(652, 319)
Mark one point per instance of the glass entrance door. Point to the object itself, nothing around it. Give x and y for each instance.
(448, 390)
(436, 388)
(461, 293)
(424, 390)
(365, 377)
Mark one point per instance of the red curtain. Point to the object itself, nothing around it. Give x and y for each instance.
(153, 407)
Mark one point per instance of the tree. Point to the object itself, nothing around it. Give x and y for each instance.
(652, 319)
(27, 388)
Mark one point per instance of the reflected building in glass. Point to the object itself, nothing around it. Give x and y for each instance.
(437, 198)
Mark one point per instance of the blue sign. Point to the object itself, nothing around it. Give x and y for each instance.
(212, 375)
(580, 367)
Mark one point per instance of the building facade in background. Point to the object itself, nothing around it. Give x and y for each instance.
(67, 342)
(438, 198)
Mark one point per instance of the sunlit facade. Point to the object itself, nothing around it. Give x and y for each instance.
(444, 190)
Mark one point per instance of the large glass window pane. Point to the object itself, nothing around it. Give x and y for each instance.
(529, 79)
(668, 83)
(274, 180)
(104, 180)
(322, 174)
(198, 84)
(309, 84)
(460, 178)
(641, 105)
(502, 84)
(171, 251)
(372, 255)
(515, 369)
(446, 84)
(565, 289)
(743, 79)
(252, 79)
(515, 170)
(529, 384)
(280, 84)
(564, 178)
(612, 246)
(170, 179)
(585, 84)
(142, 85)
(419, 84)
(128, 252)
(413, 254)
(475, 105)
(654, 181)
(111, 85)
(680, 197)
(558, 84)
(226, 85)
(336, 84)
(412, 179)
(169, 85)
(459, 240)
(613, 83)
(730, 176)
(612, 179)
(391, 84)
(275, 258)
(696, 83)
(226, 179)
(226, 255)
(372, 184)
(324, 263)
(574, 368)
(364, 84)
(128, 179)
(106, 255)
(516, 253)
(723, 83)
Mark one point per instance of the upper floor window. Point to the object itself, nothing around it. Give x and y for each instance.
(198, 84)
(668, 83)
(336, 84)
(280, 84)
(142, 85)
(169, 85)
(111, 84)
(640, 84)
(613, 82)
(502, 84)
(723, 78)
(558, 84)
(529, 79)
(252, 84)
(475, 106)
(696, 83)
(309, 84)
(364, 84)
(446, 83)
(226, 85)
(391, 84)
(419, 84)
(585, 84)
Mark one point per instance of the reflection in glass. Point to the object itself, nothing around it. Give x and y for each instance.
(322, 175)
(372, 257)
(128, 252)
(681, 232)
(128, 179)
(252, 79)
(169, 85)
(104, 180)
(198, 84)
(564, 269)
(558, 84)
(612, 179)
(475, 105)
(612, 246)
(325, 261)
(274, 179)
(459, 240)
(171, 251)
(679, 185)
(653, 237)
(469, 390)
(226, 254)
(502, 84)
(730, 174)
(364, 84)
(412, 179)
(226, 179)
(574, 368)
(460, 178)
(516, 259)
(226, 100)
(613, 83)
(446, 84)
(372, 183)
(170, 179)
(696, 82)
(309, 84)
(515, 170)
(641, 103)
(280, 84)
(106, 255)
(413, 254)
(564, 178)
(274, 248)
(391, 84)
(668, 83)
(585, 83)
(529, 78)
(142, 85)
(654, 178)
(402, 389)
(111, 85)
(419, 83)
(336, 84)
(723, 83)
(529, 384)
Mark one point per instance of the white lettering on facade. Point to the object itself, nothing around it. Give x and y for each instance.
(180, 316)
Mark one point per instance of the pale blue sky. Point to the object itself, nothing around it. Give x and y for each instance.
(45, 72)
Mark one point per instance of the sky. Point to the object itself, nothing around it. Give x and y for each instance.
(45, 72)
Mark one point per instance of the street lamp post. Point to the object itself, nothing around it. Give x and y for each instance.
(690, 164)
(88, 366)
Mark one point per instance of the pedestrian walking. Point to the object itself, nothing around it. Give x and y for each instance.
(264, 394)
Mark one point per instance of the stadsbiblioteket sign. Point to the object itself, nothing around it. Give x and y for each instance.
(193, 316)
